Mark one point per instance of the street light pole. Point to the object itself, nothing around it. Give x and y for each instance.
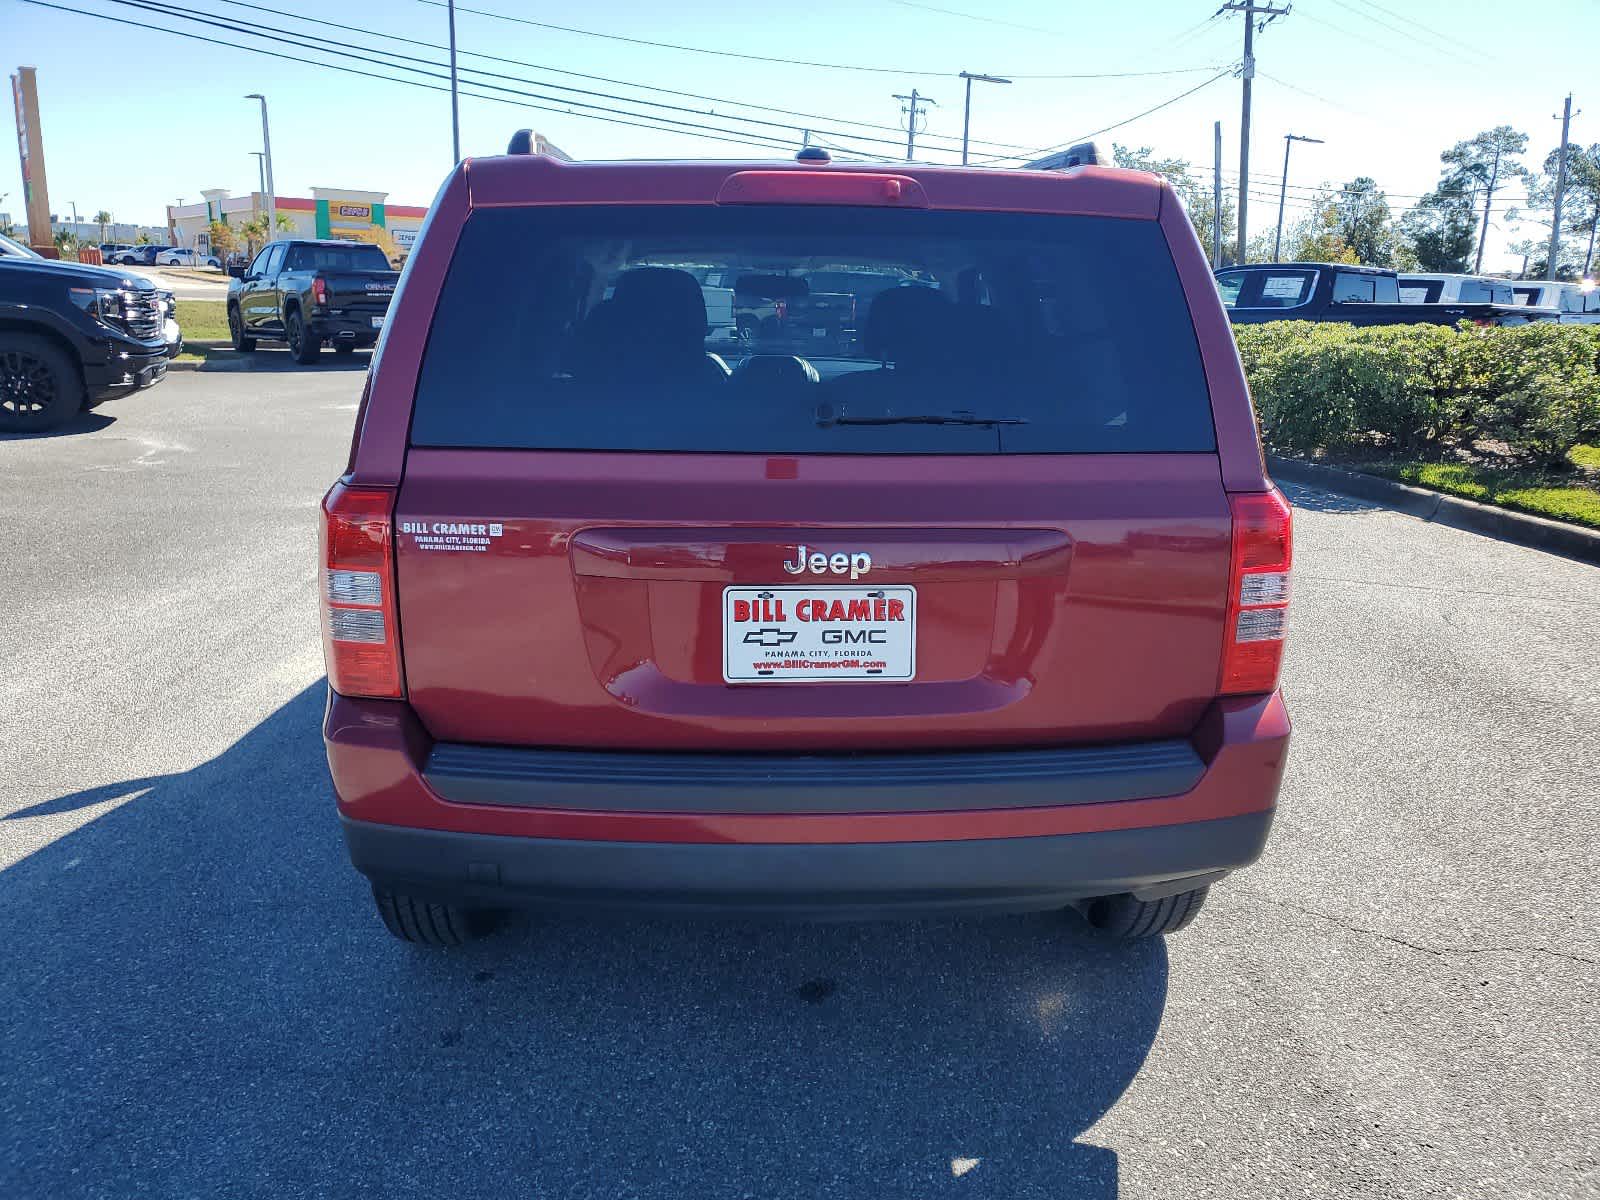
(74, 204)
(966, 115)
(266, 159)
(1283, 190)
(455, 102)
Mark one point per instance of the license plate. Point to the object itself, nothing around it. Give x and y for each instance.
(818, 634)
(377, 322)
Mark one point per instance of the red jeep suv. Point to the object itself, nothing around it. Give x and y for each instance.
(980, 609)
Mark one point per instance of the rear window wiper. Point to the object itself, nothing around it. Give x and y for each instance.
(828, 416)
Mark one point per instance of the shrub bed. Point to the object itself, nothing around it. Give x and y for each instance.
(1532, 392)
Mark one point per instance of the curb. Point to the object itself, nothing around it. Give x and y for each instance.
(209, 366)
(1522, 529)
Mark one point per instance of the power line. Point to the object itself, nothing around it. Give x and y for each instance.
(648, 87)
(1430, 41)
(660, 126)
(1295, 87)
(965, 16)
(1435, 30)
(1042, 151)
(1371, 42)
(392, 61)
(787, 62)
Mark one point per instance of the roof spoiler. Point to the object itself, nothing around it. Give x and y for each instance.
(1084, 154)
(526, 141)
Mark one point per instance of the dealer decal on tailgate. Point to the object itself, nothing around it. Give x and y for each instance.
(818, 634)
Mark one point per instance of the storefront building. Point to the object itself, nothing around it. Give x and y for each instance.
(327, 213)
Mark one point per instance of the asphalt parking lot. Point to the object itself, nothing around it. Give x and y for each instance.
(196, 998)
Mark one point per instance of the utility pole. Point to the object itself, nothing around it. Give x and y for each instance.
(1216, 196)
(1289, 139)
(1488, 203)
(1247, 72)
(455, 101)
(910, 109)
(1561, 187)
(266, 152)
(966, 113)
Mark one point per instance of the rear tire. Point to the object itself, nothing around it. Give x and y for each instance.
(40, 385)
(424, 923)
(1125, 918)
(305, 347)
(241, 343)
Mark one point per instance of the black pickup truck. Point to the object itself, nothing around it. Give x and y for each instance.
(1298, 291)
(307, 293)
(818, 314)
(73, 335)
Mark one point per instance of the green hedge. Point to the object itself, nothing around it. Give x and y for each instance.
(1412, 389)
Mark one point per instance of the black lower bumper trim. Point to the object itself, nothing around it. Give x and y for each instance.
(854, 879)
(632, 781)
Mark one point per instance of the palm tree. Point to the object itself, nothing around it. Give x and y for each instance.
(284, 223)
(102, 219)
(66, 241)
(255, 231)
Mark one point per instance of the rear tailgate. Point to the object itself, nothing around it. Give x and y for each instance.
(360, 291)
(578, 599)
(1004, 523)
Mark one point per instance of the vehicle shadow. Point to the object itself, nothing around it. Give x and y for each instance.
(89, 421)
(278, 358)
(197, 999)
(1318, 500)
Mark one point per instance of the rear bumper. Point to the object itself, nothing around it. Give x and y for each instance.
(813, 837)
(864, 878)
(348, 329)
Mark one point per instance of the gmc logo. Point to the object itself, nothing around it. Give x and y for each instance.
(851, 637)
(855, 564)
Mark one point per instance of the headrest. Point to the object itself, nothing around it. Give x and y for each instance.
(907, 323)
(662, 300)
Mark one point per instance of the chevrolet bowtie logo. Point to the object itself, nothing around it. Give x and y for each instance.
(770, 637)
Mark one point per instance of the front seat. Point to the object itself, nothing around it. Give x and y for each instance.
(911, 327)
(652, 329)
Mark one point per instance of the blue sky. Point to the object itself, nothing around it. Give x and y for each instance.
(134, 119)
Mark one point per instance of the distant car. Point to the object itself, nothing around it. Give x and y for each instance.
(107, 249)
(1578, 305)
(137, 256)
(182, 256)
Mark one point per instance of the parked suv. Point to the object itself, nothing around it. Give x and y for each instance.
(985, 613)
(73, 335)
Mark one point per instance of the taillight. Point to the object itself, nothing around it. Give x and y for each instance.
(360, 637)
(1258, 593)
(782, 309)
(319, 290)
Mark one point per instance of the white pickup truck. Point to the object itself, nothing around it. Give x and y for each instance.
(1578, 305)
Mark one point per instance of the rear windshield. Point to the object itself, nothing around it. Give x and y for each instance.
(358, 256)
(794, 330)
